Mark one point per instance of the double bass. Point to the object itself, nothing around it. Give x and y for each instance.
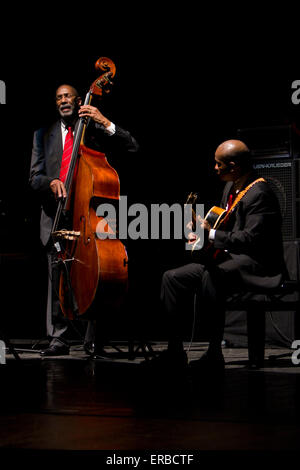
(94, 271)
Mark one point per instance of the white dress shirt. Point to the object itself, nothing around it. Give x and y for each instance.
(110, 130)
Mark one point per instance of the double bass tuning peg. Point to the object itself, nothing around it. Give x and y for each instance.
(104, 82)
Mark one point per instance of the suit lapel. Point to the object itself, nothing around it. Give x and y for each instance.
(54, 149)
(56, 142)
(226, 192)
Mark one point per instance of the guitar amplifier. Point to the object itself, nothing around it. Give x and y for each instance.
(283, 175)
(273, 159)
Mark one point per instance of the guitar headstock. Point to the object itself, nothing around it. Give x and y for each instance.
(192, 198)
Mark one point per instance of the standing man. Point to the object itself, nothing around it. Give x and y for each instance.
(49, 166)
(248, 254)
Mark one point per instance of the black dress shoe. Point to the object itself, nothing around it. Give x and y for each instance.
(94, 351)
(167, 361)
(208, 363)
(89, 347)
(55, 350)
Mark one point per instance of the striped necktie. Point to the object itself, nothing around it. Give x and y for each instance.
(66, 157)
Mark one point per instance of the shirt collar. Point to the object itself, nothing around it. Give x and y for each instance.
(65, 126)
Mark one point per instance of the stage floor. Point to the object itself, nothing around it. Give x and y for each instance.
(76, 403)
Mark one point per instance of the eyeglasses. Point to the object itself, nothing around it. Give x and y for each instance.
(58, 98)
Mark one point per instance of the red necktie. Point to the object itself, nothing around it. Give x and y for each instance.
(230, 202)
(66, 157)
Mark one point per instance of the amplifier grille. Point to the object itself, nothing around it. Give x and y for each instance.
(280, 174)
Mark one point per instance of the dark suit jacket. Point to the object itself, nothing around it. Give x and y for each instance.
(46, 162)
(252, 237)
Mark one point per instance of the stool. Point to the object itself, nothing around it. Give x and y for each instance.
(256, 304)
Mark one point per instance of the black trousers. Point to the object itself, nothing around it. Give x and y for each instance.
(211, 285)
(57, 324)
(58, 327)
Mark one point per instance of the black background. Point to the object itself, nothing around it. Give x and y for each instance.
(178, 90)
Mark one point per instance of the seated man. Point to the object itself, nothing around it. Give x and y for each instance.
(245, 253)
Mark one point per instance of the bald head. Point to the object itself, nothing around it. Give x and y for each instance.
(233, 150)
(233, 159)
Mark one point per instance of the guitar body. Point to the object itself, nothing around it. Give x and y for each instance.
(214, 216)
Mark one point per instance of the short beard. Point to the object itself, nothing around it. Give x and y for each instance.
(71, 116)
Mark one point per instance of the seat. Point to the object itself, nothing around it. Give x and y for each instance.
(256, 304)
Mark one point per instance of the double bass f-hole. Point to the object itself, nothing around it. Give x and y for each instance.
(86, 239)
